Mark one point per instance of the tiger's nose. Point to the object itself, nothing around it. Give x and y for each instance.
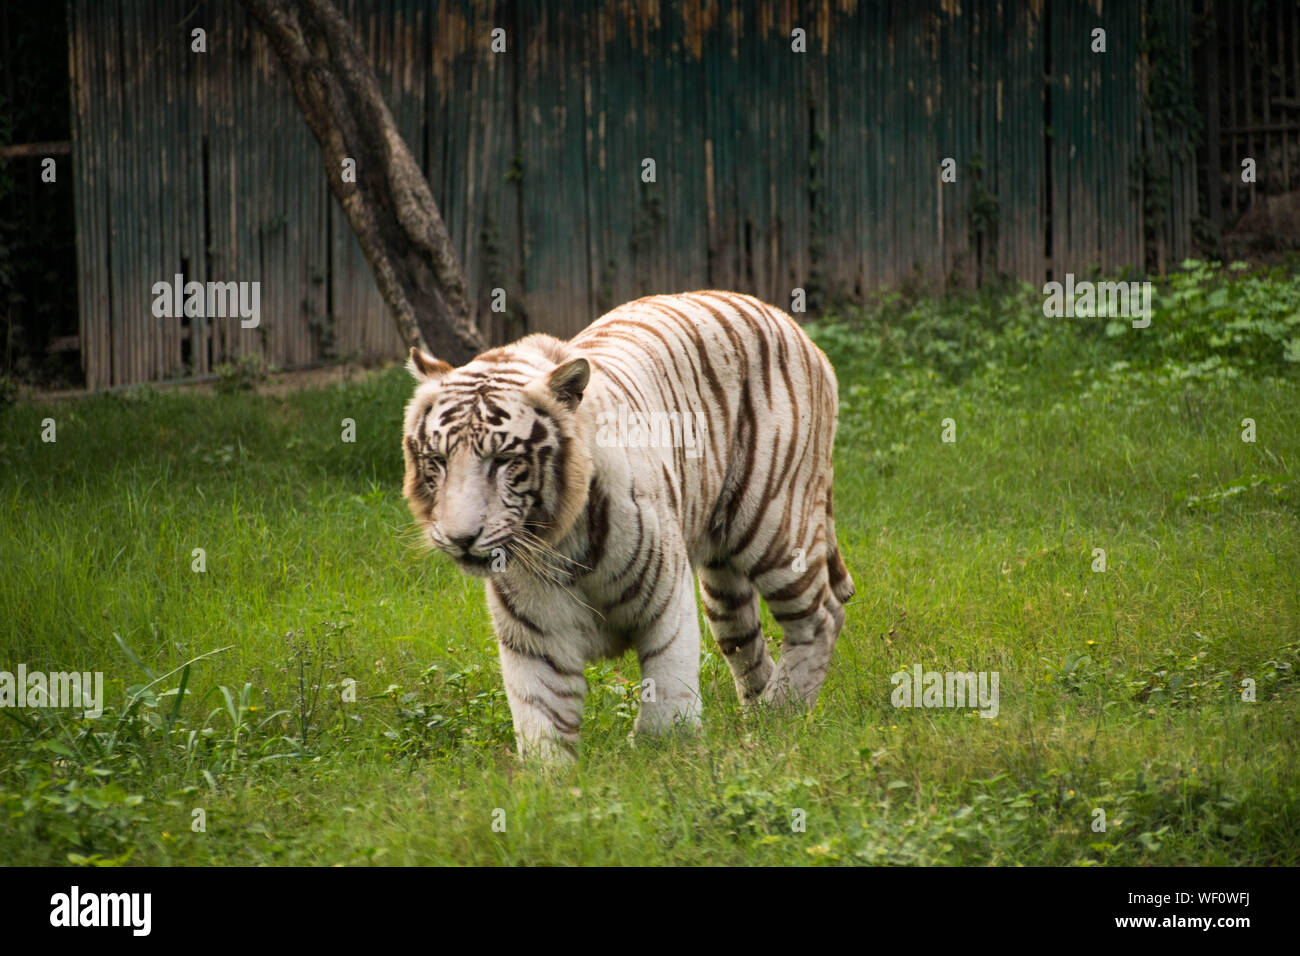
(464, 541)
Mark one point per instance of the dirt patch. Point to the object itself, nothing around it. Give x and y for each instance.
(279, 384)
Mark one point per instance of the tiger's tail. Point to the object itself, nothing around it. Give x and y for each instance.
(841, 582)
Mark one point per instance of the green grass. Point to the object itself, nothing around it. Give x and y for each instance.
(1120, 691)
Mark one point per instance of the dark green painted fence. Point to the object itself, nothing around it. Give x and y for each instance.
(775, 169)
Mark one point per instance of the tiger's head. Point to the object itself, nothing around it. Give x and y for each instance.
(497, 451)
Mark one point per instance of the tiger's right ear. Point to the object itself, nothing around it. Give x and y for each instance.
(424, 367)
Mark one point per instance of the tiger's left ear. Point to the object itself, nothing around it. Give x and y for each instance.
(424, 367)
(568, 382)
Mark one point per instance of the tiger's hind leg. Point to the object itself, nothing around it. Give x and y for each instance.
(808, 606)
(731, 604)
(809, 637)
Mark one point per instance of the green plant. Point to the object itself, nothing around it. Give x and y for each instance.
(249, 371)
(315, 667)
(465, 711)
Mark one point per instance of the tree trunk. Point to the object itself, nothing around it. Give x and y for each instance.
(390, 206)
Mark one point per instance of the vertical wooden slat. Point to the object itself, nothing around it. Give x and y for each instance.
(82, 204)
(135, 156)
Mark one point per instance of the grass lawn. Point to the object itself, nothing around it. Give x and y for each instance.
(1121, 691)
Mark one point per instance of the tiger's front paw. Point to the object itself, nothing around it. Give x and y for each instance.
(548, 751)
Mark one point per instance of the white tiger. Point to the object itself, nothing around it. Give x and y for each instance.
(586, 479)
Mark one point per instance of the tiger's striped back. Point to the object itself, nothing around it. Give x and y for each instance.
(770, 400)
